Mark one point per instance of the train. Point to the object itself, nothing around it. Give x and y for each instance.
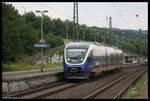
(83, 60)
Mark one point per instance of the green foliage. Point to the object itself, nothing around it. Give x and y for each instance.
(20, 67)
(12, 44)
(18, 37)
(130, 94)
(53, 41)
(29, 38)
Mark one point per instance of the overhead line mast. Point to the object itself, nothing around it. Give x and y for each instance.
(75, 19)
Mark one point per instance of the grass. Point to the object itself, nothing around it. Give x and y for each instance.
(130, 94)
(144, 63)
(21, 67)
(144, 80)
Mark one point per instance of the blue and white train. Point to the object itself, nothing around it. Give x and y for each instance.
(83, 59)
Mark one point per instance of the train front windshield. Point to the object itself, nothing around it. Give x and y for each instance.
(75, 55)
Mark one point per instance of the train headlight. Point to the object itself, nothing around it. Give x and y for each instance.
(81, 59)
(68, 59)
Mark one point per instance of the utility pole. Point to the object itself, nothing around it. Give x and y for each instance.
(120, 42)
(94, 34)
(83, 32)
(67, 26)
(128, 44)
(117, 41)
(140, 44)
(42, 39)
(110, 28)
(75, 19)
(67, 22)
(67, 29)
(104, 38)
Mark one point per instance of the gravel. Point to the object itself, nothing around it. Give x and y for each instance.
(114, 90)
(85, 89)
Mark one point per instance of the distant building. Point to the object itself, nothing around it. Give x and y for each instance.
(130, 59)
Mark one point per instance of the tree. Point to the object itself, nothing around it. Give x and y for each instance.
(59, 28)
(12, 45)
(53, 40)
(29, 37)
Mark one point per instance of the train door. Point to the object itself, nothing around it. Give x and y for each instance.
(107, 59)
(90, 62)
(115, 58)
(94, 57)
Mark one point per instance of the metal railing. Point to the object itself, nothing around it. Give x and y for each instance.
(47, 53)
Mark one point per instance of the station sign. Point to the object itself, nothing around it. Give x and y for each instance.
(42, 45)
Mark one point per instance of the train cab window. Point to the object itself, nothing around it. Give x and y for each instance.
(75, 55)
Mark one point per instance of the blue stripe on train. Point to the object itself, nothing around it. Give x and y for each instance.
(86, 67)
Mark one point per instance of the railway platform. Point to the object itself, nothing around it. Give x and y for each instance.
(13, 82)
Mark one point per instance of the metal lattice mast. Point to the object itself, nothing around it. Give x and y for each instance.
(75, 20)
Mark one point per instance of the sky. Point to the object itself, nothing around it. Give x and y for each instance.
(123, 14)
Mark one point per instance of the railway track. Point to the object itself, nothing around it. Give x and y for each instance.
(68, 85)
(53, 89)
(45, 91)
(36, 92)
(116, 89)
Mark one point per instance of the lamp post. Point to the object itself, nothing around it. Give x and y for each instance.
(95, 34)
(105, 38)
(121, 41)
(117, 41)
(83, 31)
(67, 22)
(42, 39)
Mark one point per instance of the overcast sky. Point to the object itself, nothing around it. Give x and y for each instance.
(94, 13)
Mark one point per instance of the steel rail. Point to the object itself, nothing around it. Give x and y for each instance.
(66, 88)
(109, 85)
(37, 89)
(119, 95)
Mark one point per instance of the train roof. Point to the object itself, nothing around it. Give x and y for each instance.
(84, 43)
(91, 43)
